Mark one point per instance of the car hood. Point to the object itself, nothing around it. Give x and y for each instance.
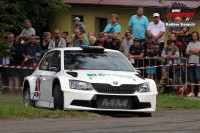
(108, 77)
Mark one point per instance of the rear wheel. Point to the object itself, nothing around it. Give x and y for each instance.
(58, 98)
(27, 98)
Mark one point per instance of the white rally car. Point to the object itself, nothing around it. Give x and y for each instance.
(89, 78)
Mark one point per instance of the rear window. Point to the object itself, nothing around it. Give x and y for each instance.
(78, 60)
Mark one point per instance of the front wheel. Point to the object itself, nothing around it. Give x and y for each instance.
(26, 98)
(58, 98)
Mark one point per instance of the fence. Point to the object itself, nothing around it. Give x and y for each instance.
(175, 72)
(178, 65)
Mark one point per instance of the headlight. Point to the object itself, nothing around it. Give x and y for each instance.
(143, 87)
(80, 85)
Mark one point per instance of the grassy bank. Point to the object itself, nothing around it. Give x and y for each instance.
(177, 102)
(11, 106)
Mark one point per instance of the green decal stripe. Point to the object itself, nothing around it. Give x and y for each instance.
(89, 75)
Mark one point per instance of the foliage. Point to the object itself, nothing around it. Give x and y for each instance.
(5, 50)
(14, 12)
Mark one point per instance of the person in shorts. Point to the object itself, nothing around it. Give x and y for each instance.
(151, 62)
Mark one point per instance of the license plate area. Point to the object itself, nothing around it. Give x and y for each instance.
(114, 102)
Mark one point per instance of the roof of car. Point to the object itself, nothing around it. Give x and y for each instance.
(79, 48)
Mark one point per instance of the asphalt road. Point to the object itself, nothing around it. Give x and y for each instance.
(173, 121)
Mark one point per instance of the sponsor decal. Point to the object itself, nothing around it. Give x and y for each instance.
(37, 84)
(183, 11)
(180, 24)
(115, 103)
(36, 94)
(48, 80)
(178, 13)
(104, 74)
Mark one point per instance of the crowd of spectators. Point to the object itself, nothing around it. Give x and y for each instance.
(142, 44)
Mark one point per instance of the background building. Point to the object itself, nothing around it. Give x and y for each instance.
(95, 14)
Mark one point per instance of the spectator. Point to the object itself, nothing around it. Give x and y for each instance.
(81, 41)
(5, 39)
(29, 54)
(170, 53)
(151, 55)
(27, 31)
(45, 43)
(36, 60)
(115, 42)
(29, 51)
(49, 35)
(106, 36)
(193, 50)
(136, 51)
(176, 43)
(185, 40)
(138, 25)
(92, 40)
(147, 44)
(65, 35)
(158, 74)
(37, 39)
(90, 34)
(12, 73)
(157, 30)
(113, 27)
(126, 42)
(20, 49)
(57, 42)
(75, 40)
(70, 44)
(79, 25)
(102, 41)
(175, 30)
(4, 61)
(19, 52)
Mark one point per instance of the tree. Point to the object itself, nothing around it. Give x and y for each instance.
(14, 12)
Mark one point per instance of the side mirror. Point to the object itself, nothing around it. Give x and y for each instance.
(138, 71)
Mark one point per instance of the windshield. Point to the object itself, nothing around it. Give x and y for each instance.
(78, 60)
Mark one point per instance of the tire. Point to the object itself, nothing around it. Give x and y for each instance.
(26, 98)
(58, 98)
(145, 115)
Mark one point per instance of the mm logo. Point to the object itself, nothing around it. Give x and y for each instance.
(115, 103)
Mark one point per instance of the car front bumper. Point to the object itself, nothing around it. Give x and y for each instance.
(91, 100)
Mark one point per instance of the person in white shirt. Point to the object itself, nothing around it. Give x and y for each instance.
(157, 28)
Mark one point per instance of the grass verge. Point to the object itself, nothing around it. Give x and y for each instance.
(165, 101)
(11, 106)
